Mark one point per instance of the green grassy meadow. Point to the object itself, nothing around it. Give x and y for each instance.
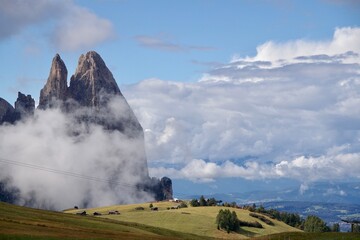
(27, 223)
(187, 223)
(195, 220)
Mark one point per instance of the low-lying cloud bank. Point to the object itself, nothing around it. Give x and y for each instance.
(55, 161)
(290, 111)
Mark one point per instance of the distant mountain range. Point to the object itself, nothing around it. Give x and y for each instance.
(346, 193)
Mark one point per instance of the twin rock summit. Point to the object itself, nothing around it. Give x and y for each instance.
(92, 87)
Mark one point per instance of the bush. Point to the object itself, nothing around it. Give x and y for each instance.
(315, 224)
(262, 218)
(182, 205)
(255, 224)
(194, 203)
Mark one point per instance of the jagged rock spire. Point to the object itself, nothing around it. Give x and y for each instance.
(24, 105)
(92, 81)
(56, 85)
(6, 112)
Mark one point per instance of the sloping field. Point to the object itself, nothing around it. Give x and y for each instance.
(195, 220)
(188, 223)
(27, 223)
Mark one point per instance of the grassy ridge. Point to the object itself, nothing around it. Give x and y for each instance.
(26, 223)
(188, 223)
(195, 220)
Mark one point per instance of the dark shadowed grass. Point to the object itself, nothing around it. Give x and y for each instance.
(311, 236)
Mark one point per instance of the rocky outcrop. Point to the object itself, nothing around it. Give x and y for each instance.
(92, 82)
(24, 105)
(93, 85)
(161, 189)
(7, 112)
(167, 190)
(56, 85)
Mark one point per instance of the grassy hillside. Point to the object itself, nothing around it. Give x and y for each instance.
(188, 223)
(26, 223)
(195, 220)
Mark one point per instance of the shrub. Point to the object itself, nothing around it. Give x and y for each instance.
(182, 205)
(262, 218)
(315, 224)
(255, 224)
(194, 203)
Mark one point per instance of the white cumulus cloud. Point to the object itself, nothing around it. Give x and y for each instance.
(344, 40)
(81, 29)
(68, 25)
(256, 118)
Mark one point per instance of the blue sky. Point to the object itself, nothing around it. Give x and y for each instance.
(222, 29)
(239, 90)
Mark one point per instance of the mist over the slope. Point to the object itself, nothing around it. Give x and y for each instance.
(44, 152)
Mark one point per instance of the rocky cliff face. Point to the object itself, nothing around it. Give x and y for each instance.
(92, 81)
(56, 85)
(92, 86)
(167, 190)
(161, 188)
(6, 112)
(24, 105)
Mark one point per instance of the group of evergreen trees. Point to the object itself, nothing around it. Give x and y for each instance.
(202, 202)
(227, 220)
(315, 224)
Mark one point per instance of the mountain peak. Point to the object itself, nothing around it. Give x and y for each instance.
(91, 79)
(56, 85)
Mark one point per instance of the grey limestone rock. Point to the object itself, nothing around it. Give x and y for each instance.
(56, 85)
(167, 190)
(24, 105)
(92, 81)
(7, 112)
